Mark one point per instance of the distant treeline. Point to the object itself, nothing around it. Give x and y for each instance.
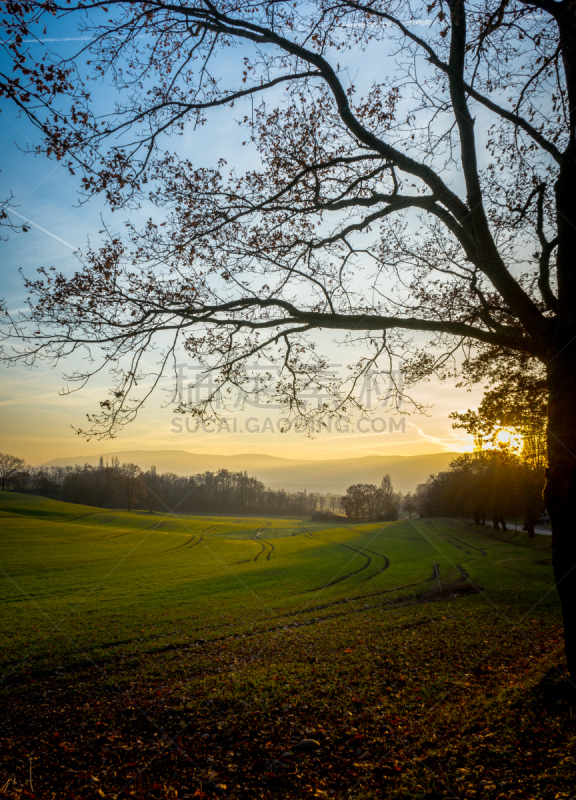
(126, 485)
(487, 485)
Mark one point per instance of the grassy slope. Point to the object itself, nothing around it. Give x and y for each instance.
(236, 635)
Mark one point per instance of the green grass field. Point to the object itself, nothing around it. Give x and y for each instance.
(154, 656)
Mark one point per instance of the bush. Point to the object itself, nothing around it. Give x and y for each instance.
(328, 516)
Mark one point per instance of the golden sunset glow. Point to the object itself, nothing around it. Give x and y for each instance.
(503, 436)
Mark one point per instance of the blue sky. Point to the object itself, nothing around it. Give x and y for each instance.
(36, 420)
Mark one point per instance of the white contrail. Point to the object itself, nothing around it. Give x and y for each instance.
(40, 228)
(70, 39)
(351, 25)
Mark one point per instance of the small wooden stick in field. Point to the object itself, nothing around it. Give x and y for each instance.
(437, 571)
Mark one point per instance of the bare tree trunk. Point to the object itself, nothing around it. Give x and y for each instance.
(530, 520)
(560, 491)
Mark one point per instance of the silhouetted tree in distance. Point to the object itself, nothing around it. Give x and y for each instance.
(12, 469)
(409, 504)
(116, 485)
(367, 502)
(485, 485)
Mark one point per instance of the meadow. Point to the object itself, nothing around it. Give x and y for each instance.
(163, 656)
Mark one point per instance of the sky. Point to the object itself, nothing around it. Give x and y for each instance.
(37, 419)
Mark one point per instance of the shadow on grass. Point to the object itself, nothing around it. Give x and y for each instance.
(555, 689)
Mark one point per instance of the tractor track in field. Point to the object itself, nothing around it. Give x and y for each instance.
(334, 581)
(200, 642)
(188, 544)
(449, 537)
(409, 600)
(485, 552)
(401, 601)
(359, 549)
(156, 525)
(374, 553)
(343, 600)
(253, 538)
(521, 572)
(115, 535)
(179, 546)
(383, 569)
(262, 542)
(89, 514)
(313, 613)
(378, 555)
(467, 544)
(262, 550)
(465, 575)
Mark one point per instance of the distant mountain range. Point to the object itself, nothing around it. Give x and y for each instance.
(328, 475)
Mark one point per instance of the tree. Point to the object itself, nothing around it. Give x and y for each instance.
(485, 484)
(7, 222)
(358, 500)
(516, 400)
(151, 482)
(390, 501)
(11, 469)
(532, 504)
(436, 196)
(366, 502)
(409, 504)
(48, 481)
(94, 486)
(131, 481)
